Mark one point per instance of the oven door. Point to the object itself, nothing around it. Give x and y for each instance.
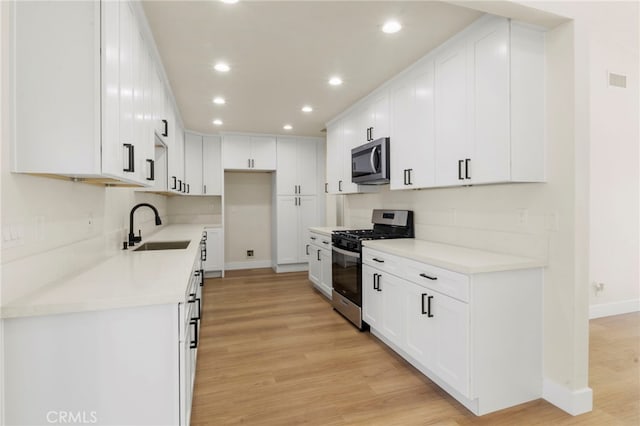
(346, 269)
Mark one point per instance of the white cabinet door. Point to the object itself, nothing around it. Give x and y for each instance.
(287, 173)
(307, 172)
(237, 152)
(287, 232)
(335, 141)
(490, 158)
(112, 152)
(422, 151)
(393, 291)
(193, 163)
(307, 217)
(372, 311)
(315, 264)
(451, 116)
(353, 136)
(211, 165)
(420, 327)
(175, 153)
(326, 283)
(215, 250)
(263, 153)
(381, 117)
(126, 89)
(451, 345)
(402, 133)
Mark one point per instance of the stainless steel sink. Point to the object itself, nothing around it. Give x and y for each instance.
(163, 245)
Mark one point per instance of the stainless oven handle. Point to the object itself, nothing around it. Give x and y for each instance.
(346, 252)
(373, 164)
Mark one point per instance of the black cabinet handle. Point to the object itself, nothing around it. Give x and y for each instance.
(409, 177)
(203, 255)
(248, 163)
(179, 186)
(405, 176)
(204, 189)
(188, 188)
(467, 174)
(201, 277)
(253, 163)
(326, 188)
(422, 303)
(318, 255)
(313, 238)
(194, 342)
(325, 242)
(130, 158)
(152, 169)
(165, 132)
(428, 277)
(306, 249)
(429, 314)
(174, 185)
(339, 186)
(375, 285)
(196, 299)
(379, 288)
(460, 170)
(375, 259)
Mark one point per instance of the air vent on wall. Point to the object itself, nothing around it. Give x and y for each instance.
(617, 80)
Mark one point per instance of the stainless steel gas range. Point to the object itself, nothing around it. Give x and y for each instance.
(346, 265)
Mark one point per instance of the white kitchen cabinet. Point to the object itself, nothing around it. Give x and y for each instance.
(296, 173)
(413, 130)
(374, 119)
(90, 363)
(175, 154)
(97, 133)
(334, 168)
(295, 214)
(489, 105)
(244, 152)
(465, 332)
(318, 250)
(214, 259)
(203, 166)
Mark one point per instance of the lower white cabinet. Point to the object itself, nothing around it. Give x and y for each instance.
(477, 336)
(133, 365)
(295, 214)
(214, 258)
(318, 250)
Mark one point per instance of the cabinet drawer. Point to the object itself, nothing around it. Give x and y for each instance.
(446, 282)
(320, 241)
(382, 261)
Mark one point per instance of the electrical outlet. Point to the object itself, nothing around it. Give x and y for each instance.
(598, 288)
(249, 253)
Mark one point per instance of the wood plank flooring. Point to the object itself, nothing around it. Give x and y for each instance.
(273, 352)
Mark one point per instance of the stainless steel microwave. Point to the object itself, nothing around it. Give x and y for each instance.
(370, 163)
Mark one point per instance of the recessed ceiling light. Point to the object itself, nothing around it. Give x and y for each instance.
(219, 100)
(307, 108)
(287, 127)
(222, 67)
(217, 122)
(391, 27)
(229, 1)
(335, 81)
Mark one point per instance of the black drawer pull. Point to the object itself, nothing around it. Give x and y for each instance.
(375, 259)
(428, 277)
(429, 298)
(422, 302)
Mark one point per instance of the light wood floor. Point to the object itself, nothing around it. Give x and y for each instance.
(273, 352)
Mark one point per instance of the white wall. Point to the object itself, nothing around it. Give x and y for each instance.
(195, 209)
(247, 224)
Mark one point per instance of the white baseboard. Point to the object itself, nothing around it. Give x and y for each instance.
(252, 264)
(614, 308)
(573, 402)
(293, 267)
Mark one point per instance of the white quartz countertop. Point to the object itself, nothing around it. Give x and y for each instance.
(327, 230)
(454, 258)
(126, 279)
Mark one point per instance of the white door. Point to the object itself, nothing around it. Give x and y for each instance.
(287, 172)
(371, 298)
(236, 151)
(306, 162)
(335, 136)
(263, 153)
(307, 217)
(193, 162)
(211, 166)
(215, 250)
(490, 161)
(287, 234)
(452, 341)
(451, 116)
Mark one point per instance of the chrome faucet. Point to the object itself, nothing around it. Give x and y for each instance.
(133, 239)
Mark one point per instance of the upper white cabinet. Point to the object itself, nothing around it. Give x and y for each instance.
(175, 154)
(244, 152)
(203, 164)
(413, 129)
(81, 92)
(489, 106)
(296, 173)
(374, 119)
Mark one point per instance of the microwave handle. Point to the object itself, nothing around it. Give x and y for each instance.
(373, 154)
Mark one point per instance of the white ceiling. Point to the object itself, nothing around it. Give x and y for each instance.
(283, 53)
